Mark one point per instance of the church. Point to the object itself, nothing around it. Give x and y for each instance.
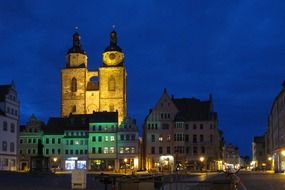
(86, 91)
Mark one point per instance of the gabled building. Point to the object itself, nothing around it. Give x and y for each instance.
(9, 126)
(181, 133)
(29, 138)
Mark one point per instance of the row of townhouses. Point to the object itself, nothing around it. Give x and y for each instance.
(93, 141)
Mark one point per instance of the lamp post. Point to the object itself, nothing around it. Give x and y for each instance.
(125, 161)
(202, 162)
(54, 165)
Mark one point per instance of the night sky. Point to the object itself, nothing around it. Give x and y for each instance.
(234, 49)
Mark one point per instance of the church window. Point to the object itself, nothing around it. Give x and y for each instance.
(111, 107)
(73, 85)
(111, 84)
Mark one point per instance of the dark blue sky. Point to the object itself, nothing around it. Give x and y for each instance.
(233, 49)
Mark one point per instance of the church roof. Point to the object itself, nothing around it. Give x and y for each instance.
(104, 117)
(57, 125)
(192, 109)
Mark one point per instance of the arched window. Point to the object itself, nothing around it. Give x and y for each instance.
(111, 84)
(73, 85)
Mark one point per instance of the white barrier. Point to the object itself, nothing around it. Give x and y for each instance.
(78, 179)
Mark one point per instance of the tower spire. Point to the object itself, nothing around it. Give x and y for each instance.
(76, 47)
(113, 38)
(113, 41)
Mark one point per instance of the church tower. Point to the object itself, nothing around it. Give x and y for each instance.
(73, 80)
(112, 80)
(84, 91)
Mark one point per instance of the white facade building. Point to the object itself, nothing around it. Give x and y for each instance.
(9, 122)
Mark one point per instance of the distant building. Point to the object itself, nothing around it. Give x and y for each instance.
(275, 134)
(9, 126)
(259, 157)
(89, 141)
(181, 133)
(231, 154)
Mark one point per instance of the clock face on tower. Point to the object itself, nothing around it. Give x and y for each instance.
(112, 58)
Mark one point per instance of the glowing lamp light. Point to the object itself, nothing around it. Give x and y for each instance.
(136, 162)
(55, 159)
(125, 160)
(283, 152)
(202, 159)
(269, 158)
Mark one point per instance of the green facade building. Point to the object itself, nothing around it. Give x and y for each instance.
(89, 141)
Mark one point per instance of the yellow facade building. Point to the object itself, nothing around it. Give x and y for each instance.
(86, 91)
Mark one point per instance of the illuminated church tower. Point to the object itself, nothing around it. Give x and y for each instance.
(84, 91)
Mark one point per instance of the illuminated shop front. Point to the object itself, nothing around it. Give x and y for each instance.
(131, 163)
(102, 164)
(73, 163)
(166, 163)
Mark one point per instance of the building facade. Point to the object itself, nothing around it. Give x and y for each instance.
(275, 134)
(181, 133)
(259, 156)
(88, 141)
(9, 127)
(29, 137)
(231, 155)
(86, 91)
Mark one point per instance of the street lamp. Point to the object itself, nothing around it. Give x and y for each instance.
(269, 158)
(54, 159)
(283, 152)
